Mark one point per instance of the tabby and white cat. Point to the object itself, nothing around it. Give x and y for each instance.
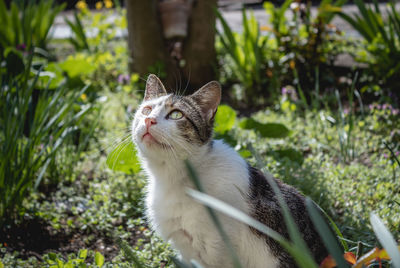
(167, 129)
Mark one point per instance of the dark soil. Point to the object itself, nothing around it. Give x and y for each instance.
(35, 237)
(32, 237)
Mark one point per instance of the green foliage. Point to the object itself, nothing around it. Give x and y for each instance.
(79, 39)
(130, 254)
(306, 42)
(346, 125)
(34, 127)
(80, 260)
(291, 154)
(248, 58)
(329, 239)
(101, 24)
(77, 66)
(123, 158)
(224, 119)
(99, 259)
(268, 130)
(27, 23)
(382, 37)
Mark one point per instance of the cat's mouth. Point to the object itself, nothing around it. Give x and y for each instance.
(149, 139)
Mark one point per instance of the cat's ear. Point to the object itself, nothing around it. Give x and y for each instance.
(154, 88)
(208, 98)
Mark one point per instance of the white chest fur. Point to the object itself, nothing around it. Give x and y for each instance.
(187, 225)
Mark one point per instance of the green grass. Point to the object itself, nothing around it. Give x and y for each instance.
(349, 191)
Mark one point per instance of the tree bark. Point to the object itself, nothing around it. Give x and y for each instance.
(199, 46)
(149, 50)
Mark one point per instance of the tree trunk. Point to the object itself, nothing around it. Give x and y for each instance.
(150, 51)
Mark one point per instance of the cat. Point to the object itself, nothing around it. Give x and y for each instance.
(167, 129)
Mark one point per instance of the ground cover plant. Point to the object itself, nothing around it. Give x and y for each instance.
(80, 204)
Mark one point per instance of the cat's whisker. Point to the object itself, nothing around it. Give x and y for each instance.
(117, 142)
(180, 142)
(143, 79)
(180, 81)
(116, 136)
(187, 82)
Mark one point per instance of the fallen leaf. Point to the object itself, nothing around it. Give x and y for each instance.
(328, 262)
(350, 257)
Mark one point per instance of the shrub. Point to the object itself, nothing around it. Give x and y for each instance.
(26, 24)
(250, 62)
(381, 36)
(34, 126)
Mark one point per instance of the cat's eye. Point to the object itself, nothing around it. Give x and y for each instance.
(146, 110)
(175, 114)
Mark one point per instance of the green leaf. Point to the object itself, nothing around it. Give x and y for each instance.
(99, 259)
(123, 158)
(52, 256)
(268, 130)
(330, 241)
(386, 239)
(245, 153)
(1, 265)
(224, 119)
(77, 66)
(53, 74)
(83, 253)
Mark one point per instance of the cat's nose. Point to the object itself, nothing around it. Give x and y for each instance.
(150, 121)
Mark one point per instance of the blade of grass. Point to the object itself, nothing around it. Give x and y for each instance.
(325, 232)
(130, 254)
(335, 228)
(386, 239)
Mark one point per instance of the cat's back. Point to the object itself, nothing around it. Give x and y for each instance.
(266, 209)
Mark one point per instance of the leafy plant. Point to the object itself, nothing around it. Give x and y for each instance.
(346, 124)
(123, 158)
(268, 130)
(27, 24)
(80, 260)
(31, 135)
(248, 59)
(79, 39)
(382, 37)
(308, 43)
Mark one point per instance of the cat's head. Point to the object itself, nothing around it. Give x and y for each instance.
(169, 125)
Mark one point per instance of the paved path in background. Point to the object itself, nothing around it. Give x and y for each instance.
(232, 13)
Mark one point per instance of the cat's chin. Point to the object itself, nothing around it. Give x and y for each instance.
(149, 141)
